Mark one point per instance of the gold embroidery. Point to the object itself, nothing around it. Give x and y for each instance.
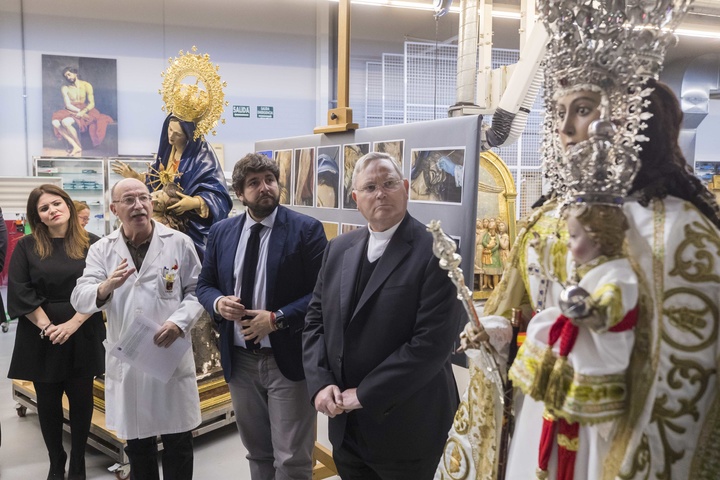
(641, 462)
(685, 375)
(455, 460)
(571, 444)
(462, 419)
(693, 260)
(691, 314)
(485, 423)
(590, 399)
(646, 345)
(609, 301)
(544, 232)
(706, 464)
(548, 416)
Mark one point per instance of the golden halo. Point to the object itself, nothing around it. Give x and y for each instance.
(193, 91)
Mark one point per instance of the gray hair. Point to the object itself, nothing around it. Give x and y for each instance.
(366, 159)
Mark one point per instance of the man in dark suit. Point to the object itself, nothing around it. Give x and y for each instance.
(259, 302)
(378, 337)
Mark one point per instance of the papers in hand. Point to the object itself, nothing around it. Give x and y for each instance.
(137, 348)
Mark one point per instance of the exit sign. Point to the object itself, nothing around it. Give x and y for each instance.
(241, 111)
(265, 112)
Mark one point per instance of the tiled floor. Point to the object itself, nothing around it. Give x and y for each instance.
(219, 455)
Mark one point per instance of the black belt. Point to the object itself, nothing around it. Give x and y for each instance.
(257, 351)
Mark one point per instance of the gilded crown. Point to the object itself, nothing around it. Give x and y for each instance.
(193, 91)
(611, 47)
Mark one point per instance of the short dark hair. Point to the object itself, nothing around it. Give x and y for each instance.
(69, 69)
(252, 163)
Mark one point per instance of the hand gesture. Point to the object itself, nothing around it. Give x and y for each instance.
(350, 400)
(230, 308)
(329, 401)
(115, 280)
(126, 171)
(186, 203)
(59, 334)
(258, 327)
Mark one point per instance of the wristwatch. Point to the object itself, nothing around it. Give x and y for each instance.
(280, 321)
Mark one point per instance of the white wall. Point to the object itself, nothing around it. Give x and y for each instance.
(270, 52)
(267, 56)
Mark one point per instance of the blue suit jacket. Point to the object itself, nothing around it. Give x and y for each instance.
(295, 252)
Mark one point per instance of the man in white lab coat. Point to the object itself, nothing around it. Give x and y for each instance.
(144, 268)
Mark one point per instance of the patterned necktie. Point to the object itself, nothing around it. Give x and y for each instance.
(250, 265)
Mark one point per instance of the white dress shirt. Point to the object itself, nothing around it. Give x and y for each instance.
(259, 294)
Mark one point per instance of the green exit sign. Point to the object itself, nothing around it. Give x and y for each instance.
(241, 111)
(265, 112)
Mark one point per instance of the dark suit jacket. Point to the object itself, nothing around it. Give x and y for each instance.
(294, 257)
(396, 347)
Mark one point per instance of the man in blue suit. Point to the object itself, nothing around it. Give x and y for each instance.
(257, 280)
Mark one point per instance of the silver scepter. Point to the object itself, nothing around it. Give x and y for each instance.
(444, 249)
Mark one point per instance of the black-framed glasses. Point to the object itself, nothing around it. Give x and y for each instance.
(130, 200)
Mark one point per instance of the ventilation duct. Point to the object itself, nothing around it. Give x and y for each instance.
(512, 112)
(695, 81)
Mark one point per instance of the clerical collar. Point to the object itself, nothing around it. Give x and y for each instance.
(378, 242)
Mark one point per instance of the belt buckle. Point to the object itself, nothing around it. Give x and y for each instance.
(256, 351)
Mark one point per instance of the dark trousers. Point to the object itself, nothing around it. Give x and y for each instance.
(355, 460)
(50, 414)
(177, 457)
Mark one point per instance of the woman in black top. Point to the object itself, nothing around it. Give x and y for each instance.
(56, 348)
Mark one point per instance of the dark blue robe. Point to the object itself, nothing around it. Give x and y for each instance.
(201, 176)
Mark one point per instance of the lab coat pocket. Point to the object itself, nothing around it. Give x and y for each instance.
(113, 366)
(168, 282)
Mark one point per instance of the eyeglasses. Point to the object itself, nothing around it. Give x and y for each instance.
(84, 217)
(130, 200)
(387, 186)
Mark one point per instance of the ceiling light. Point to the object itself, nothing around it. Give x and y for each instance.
(505, 13)
(427, 7)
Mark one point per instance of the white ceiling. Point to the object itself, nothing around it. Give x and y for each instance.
(368, 22)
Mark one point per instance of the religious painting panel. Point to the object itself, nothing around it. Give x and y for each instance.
(79, 106)
(331, 229)
(436, 175)
(349, 227)
(283, 158)
(351, 153)
(328, 177)
(304, 177)
(394, 148)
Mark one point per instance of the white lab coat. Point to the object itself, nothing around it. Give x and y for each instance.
(136, 404)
